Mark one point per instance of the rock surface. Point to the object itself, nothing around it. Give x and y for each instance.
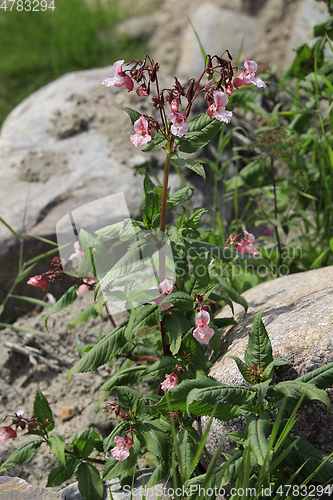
(14, 488)
(298, 317)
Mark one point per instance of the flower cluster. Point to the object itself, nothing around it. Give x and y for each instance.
(122, 450)
(52, 275)
(241, 244)
(20, 423)
(203, 333)
(220, 74)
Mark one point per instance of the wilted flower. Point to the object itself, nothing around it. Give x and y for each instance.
(248, 77)
(38, 281)
(166, 287)
(170, 382)
(143, 133)
(122, 450)
(120, 79)
(217, 109)
(78, 254)
(85, 287)
(203, 333)
(246, 245)
(179, 125)
(6, 433)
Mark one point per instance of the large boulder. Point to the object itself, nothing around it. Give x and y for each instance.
(14, 488)
(298, 317)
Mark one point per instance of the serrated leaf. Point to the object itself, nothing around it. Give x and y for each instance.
(66, 300)
(157, 142)
(176, 325)
(181, 196)
(57, 476)
(322, 377)
(160, 368)
(224, 396)
(188, 163)
(132, 113)
(131, 401)
(89, 482)
(180, 299)
(42, 411)
(175, 399)
(242, 367)
(159, 474)
(100, 354)
(21, 456)
(155, 437)
(202, 129)
(148, 316)
(259, 349)
(296, 389)
(114, 468)
(195, 218)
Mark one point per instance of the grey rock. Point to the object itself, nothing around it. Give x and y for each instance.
(298, 317)
(14, 488)
(308, 14)
(218, 29)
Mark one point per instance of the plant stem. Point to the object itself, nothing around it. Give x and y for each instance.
(168, 149)
(275, 216)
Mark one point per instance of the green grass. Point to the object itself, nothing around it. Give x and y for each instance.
(37, 47)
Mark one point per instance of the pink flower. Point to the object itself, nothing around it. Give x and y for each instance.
(166, 287)
(248, 77)
(246, 245)
(122, 450)
(143, 133)
(84, 288)
(78, 254)
(217, 109)
(170, 382)
(7, 433)
(120, 79)
(203, 333)
(39, 281)
(179, 125)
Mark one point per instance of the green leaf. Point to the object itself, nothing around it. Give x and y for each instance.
(322, 377)
(57, 447)
(269, 370)
(180, 299)
(222, 322)
(132, 113)
(202, 129)
(157, 142)
(159, 474)
(188, 440)
(195, 218)
(66, 300)
(175, 399)
(156, 438)
(259, 349)
(100, 354)
(148, 316)
(233, 294)
(152, 207)
(242, 367)
(160, 368)
(188, 163)
(323, 28)
(258, 430)
(84, 316)
(57, 476)
(226, 397)
(21, 456)
(131, 401)
(114, 468)
(296, 389)
(310, 458)
(84, 445)
(114, 230)
(176, 325)
(42, 410)
(90, 484)
(181, 196)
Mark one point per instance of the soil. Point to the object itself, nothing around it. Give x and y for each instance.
(21, 375)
